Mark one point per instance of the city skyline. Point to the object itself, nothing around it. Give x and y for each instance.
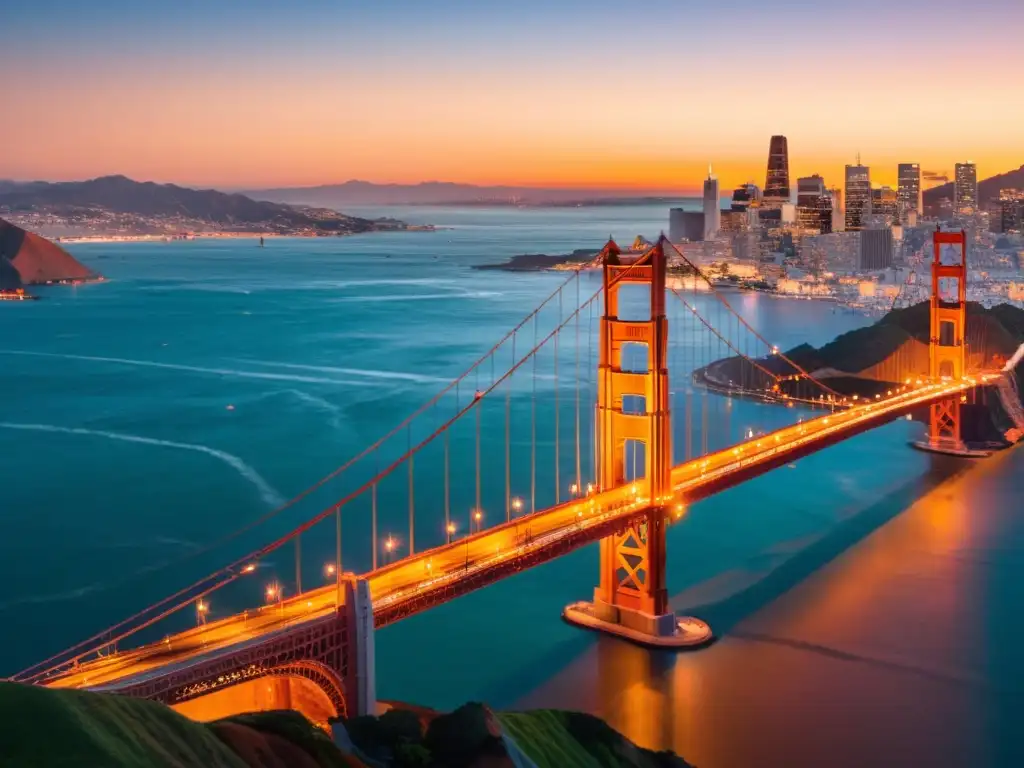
(249, 95)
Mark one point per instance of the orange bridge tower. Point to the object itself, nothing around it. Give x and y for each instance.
(631, 599)
(947, 345)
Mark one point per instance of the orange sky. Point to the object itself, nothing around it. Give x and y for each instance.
(439, 104)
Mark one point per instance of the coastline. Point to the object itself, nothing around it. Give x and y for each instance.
(106, 239)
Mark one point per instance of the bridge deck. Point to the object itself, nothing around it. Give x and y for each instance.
(433, 576)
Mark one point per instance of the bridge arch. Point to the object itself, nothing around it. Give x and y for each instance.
(306, 686)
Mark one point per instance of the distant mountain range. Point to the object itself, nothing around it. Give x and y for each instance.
(437, 193)
(117, 203)
(988, 189)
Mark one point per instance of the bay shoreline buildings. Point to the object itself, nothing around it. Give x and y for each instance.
(863, 244)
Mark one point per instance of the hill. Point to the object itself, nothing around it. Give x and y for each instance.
(122, 204)
(431, 193)
(988, 189)
(45, 727)
(10, 279)
(36, 259)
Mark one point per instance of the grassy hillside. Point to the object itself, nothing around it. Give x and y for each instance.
(49, 728)
(44, 727)
(553, 739)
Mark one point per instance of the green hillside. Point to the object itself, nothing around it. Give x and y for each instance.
(49, 728)
(44, 727)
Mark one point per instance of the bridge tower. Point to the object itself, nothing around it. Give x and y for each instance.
(631, 599)
(947, 346)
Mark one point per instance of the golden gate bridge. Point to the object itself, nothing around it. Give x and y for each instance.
(602, 466)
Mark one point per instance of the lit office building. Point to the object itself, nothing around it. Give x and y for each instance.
(776, 187)
(965, 187)
(858, 196)
(813, 205)
(908, 190)
(885, 203)
(1011, 210)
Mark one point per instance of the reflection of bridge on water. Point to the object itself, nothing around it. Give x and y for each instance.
(314, 651)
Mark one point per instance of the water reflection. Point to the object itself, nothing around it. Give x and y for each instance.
(887, 653)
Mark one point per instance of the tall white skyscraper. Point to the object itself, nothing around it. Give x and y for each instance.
(712, 207)
(965, 187)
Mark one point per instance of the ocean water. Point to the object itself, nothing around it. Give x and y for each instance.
(206, 381)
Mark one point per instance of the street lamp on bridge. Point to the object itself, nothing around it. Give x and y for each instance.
(450, 530)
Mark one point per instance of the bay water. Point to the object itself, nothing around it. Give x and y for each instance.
(866, 597)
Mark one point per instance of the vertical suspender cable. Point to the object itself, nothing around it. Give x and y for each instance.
(298, 564)
(557, 337)
(412, 502)
(447, 487)
(533, 427)
(337, 554)
(591, 395)
(477, 508)
(373, 507)
(579, 479)
(508, 440)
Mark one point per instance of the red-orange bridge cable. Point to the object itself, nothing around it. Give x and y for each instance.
(728, 343)
(97, 638)
(294, 500)
(750, 328)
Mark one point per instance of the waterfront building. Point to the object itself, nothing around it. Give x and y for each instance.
(858, 196)
(776, 187)
(908, 190)
(685, 225)
(876, 249)
(712, 207)
(965, 188)
(1011, 210)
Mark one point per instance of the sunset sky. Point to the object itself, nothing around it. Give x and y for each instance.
(600, 93)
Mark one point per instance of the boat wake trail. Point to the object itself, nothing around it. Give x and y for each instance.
(311, 400)
(270, 496)
(370, 374)
(193, 368)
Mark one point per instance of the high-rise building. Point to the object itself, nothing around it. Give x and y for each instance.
(965, 187)
(745, 195)
(908, 190)
(776, 186)
(876, 249)
(813, 205)
(712, 207)
(885, 203)
(685, 225)
(858, 196)
(1011, 210)
(838, 217)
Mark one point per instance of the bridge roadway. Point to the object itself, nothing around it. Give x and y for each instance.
(427, 578)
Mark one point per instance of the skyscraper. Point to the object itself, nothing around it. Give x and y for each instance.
(776, 186)
(838, 218)
(885, 204)
(813, 204)
(712, 207)
(858, 196)
(965, 186)
(908, 190)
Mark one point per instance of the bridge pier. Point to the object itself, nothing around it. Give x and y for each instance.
(631, 600)
(361, 677)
